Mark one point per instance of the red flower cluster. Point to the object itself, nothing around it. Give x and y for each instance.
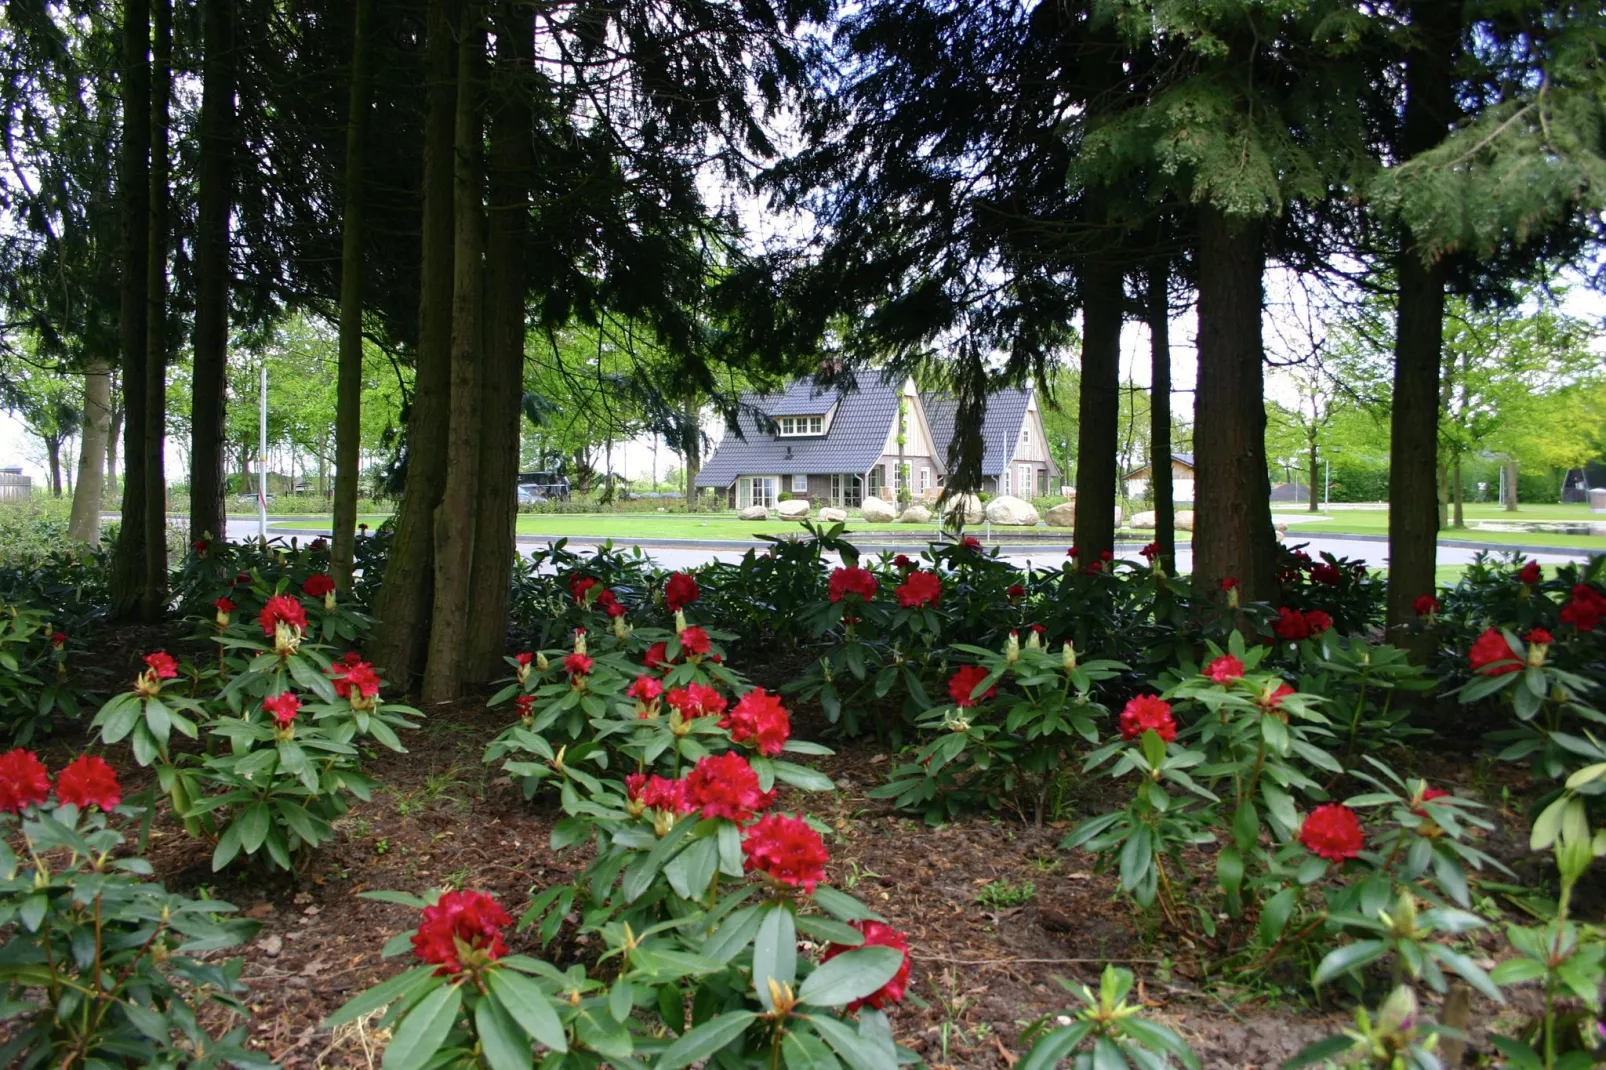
(579, 586)
(1151, 551)
(200, 546)
(319, 586)
(696, 700)
(903, 561)
(786, 848)
(1586, 608)
(609, 603)
(645, 689)
(58, 640)
(760, 717)
(1229, 582)
(656, 657)
(1293, 625)
(1491, 655)
(1327, 574)
(1428, 795)
(460, 920)
(24, 781)
(1224, 669)
(577, 664)
(352, 674)
(224, 605)
(680, 592)
(1145, 712)
(1539, 637)
(1015, 593)
(284, 708)
(162, 665)
(1272, 699)
(919, 589)
(89, 781)
(724, 785)
(282, 608)
(855, 581)
(693, 641)
(964, 681)
(878, 934)
(1425, 605)
(1332, 831)
(1530, 573)
(524, 705)
(658, 793)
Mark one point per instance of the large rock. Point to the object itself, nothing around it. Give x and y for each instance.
(1184, 519)
(966, 505)
(753, 512)
(832, 515)
(1144, 520)
(876, 511)
(1006, 510)
(915, 514)
(793, 509)
(1062, 515)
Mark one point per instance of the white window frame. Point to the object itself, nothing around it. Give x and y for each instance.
(1025, 478)
(763, 490)
(1026, 436)
(925, 480)
(796, 426)
(800, 484)
(1003, 481)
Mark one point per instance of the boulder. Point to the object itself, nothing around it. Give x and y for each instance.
(1062, 515)
(876, 511)
(967, 505)
(793, 509)
(1144, 520)
(1117, 520)
(753, 512)
(915, 514)
(1185, 520)
(1006, 510)
(832, 515)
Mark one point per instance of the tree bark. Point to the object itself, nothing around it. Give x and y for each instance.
(113, 436)
(153, 599)
(1098, 408)
(1441, 492)
(214, 200)
(128, 559)
(1457, 494)
(691, 450)
(1233, 535)
(1310, 489)
(84, 524)
(348, 388)
(1419, 329)
(403, 605)
(1160, 481)
(456, 515)
(53, 459)
(1511, 486)
(511, 167)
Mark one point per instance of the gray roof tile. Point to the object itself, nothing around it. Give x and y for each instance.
(1006, 411)
(857, 437)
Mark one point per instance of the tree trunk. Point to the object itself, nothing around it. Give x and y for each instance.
(53, 459)
(1441, 494)
(1160, 483)
(1456, 494)
(348, 389)
(1098, 409)
(153, 600)
(403, 605)
(455, 517)
(114, 435)
(1233, 536)
(691, 449)
(1511, 486)
(1310, 489)
(511, 165)
(128, 560)
(1419, 329)
(84, 525)
(214, 199)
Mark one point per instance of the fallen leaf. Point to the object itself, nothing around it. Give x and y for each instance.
(1009, 1057)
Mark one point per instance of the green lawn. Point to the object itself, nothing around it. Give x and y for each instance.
(1375, 521)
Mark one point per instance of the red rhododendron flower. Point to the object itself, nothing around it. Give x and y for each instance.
(1538, 636)
(1428, 795)
(1425, 605)
(856, 581)
(786, 848)
(645, 689)
(1015, 592)
(24, 781)
(1272, 699)
(353, 674)
(680, 592)
(199, 546)
(1229, 582)
(1327, 574)
(1106, 555)
(903, 561)
(579, 585)
(1333, 832)
(964, 681)
(971, 543)
(1145, 712)
(1224, 669)
(696, 700)
(284, 707)
(459, 921)
(223, 605)
(1317, 621)
(1151, 551)
(1586, 609)
(524, 706)
(1071, 552)
(919, 589)
(1492, 655)
(693, 641)
(282, 607)
(162, 664)
(724, 785)
(318, 586)
(524, 659)
(577, 664)
(1530, 573)
(759, 716)
(242, 580)
(609, 603)
(1290, 624)
(656, 656)
(878, 934)
(661, 793)
(89, 781)
(58, 640)
(1302, 557)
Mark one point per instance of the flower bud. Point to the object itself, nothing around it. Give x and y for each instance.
(621, 630)
(557, 759)
(222, 618)
(147, 684)
(541, 662)
(1536, 653)
(1012, 648)
(1068, 657)
(1232, 598)
(678, 723)
(286, 639)
(329, 601)
(680, 621)
(579, 640)
(662, 822)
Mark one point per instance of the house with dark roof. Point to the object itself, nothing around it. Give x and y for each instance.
(1137, 480)
(1015, 458)
(828, 446)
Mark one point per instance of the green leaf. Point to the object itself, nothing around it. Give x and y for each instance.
(425, 1028)
(774, 952)
(855, 1050)
(1329, 1048)
(1274, 917)
(1342, 960)
(842, 906)
(705, 1040)
(801, 777)
(1053, 1048)
(1515, 971)
(851, 975)
(1230, 869)
(253, 823)
(1245, 826)
(530, 1007)
(502, 1042)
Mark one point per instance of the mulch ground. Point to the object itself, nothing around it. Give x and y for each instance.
(995, 911)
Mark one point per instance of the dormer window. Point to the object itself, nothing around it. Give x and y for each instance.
(801, 425)
(1026, 436)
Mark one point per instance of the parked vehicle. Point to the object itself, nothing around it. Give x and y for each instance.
(543, 486)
